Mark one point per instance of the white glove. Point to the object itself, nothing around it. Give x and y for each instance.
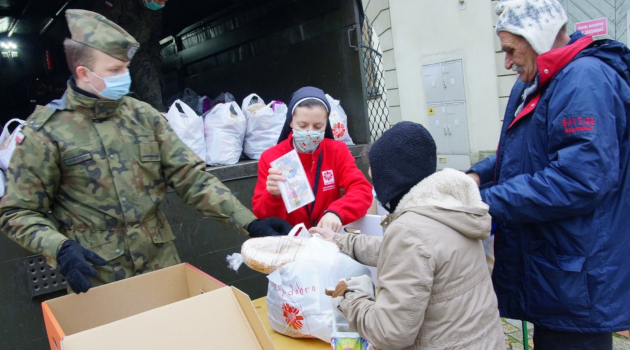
(361, 284)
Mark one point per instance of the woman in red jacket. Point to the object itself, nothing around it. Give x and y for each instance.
(325, 160)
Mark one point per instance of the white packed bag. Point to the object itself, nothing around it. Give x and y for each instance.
(264, 124)
(8, 142)
(2, 183)
(224, 129)
(251, 105)
(344, 337)
(188, 126)
(338, 121)
(296, 299)
(369, 225)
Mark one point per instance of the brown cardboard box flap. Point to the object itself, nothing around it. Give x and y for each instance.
(179, 307)
(214, 320)
(111, 302)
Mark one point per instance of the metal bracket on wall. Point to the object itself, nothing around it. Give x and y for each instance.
(42, 279)
(354, 27)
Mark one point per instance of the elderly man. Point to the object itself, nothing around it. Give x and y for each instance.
(558, 186)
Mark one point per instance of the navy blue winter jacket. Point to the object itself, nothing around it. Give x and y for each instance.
(559, 191)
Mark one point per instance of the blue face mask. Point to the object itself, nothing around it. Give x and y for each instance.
(116, 86)
(153, 6)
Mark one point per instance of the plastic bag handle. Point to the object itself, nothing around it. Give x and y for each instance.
(6, 126)
(184, 108)
(249, 99)
(334, 318)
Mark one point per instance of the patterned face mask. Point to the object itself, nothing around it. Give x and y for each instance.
(307, 141)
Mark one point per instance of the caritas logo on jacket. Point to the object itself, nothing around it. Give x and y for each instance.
(329, 180)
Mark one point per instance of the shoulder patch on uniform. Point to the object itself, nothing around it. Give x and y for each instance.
(41, 115)
(78, 159)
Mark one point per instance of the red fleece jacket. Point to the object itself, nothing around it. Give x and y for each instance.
(338, 171)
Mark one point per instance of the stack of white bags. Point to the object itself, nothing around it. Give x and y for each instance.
(227, 130)
(8, 142)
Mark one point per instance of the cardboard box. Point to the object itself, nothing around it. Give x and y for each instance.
(179, 307)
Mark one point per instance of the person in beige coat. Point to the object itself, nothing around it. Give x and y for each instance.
(435, 290)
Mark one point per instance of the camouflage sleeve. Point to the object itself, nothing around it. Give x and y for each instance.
(185, 172)
(32, 182)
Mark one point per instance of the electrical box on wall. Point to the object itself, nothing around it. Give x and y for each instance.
(446, 109)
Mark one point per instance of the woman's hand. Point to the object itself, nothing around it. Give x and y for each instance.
(272, 181)
(331, 221)
(475, 177)
(337, 296)
(339, 290)
(326, 233)
(362, 284)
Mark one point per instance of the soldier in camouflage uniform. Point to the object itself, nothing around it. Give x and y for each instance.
(102, 165)
(145, 25)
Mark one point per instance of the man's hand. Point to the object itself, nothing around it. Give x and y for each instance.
(331, 221)
(326, 233)
(268, 227)
(475, 177)
(272, 181)
(73, 265)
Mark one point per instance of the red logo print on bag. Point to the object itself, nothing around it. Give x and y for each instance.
(292, 316)
(338, 130)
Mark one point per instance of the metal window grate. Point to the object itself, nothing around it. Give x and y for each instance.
(378, 109)
(42, 279)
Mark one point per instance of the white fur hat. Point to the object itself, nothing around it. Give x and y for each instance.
(538, 21)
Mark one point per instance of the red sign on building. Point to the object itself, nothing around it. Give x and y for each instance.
(594, 27)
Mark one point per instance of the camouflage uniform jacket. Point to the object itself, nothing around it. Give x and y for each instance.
(102, 169)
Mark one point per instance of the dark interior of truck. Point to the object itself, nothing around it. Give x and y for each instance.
(268, 47)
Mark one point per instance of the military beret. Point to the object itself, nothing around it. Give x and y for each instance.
(94, 30)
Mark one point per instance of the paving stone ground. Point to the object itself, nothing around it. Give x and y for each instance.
(513, 331)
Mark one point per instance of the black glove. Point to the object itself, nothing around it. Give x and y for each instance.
(268, 227)
(72, 260)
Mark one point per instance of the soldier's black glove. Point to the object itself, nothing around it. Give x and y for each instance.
(72, 260)
(268, 227)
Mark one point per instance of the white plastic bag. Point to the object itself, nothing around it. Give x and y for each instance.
(369, 225)
(345, 337)
(256, 251)
(264, 124)
(339, 121)
(2, 183)
(188, 126)
(298, 306)
(8, 142)
(224, 129)
(251, 105)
